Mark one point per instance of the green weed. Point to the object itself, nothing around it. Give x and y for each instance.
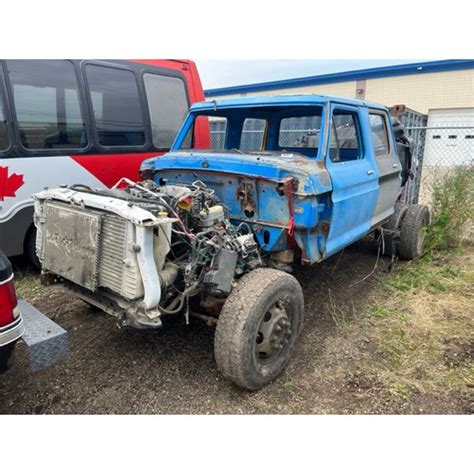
(452, 210)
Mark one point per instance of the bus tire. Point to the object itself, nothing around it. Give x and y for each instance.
(30, 247)
(258, 327)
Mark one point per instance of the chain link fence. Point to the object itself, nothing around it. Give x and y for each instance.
(438, 151)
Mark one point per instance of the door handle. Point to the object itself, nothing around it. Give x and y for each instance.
(394, 165)
(370, 172)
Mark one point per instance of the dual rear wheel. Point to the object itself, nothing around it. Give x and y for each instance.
(405, 231)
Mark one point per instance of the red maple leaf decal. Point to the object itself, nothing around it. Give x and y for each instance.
(9, 185)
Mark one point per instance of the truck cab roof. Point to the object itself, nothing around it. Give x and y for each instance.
(282, 100)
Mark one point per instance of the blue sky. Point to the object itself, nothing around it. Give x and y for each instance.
(223, 72)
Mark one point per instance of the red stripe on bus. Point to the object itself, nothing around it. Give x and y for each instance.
(109, 168)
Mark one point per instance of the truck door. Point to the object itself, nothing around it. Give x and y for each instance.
(388, 164)
(354, 178)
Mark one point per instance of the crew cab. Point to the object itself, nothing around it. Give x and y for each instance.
(214, 233)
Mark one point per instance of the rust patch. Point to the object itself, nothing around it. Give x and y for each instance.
(324, 178)
(325, 227)
(244, 196)
(280, 189)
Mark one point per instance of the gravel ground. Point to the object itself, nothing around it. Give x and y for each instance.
(172, 370)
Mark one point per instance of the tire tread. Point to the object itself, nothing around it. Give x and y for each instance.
(230, 331)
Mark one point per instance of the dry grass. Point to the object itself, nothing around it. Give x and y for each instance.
(415, 340)
(427, 335)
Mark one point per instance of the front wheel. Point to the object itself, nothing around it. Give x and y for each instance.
(258, 327)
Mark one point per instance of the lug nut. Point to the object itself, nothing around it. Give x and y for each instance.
(279, 328)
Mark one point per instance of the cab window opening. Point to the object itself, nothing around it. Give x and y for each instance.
(345, 144)
(263, 130)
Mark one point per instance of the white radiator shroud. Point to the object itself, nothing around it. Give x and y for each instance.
(100, 242)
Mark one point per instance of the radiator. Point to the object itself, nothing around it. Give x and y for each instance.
(91, 248)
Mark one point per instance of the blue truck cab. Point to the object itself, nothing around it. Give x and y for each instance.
(307, 172)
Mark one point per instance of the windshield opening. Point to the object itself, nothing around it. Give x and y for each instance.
(268, 130)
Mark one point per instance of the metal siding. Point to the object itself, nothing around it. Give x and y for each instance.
(437, 90)
(445, 89)
(378, 72)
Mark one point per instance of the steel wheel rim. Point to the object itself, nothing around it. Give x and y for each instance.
(273, 333)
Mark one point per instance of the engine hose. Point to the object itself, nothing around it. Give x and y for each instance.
(180, 299)
(168, 274)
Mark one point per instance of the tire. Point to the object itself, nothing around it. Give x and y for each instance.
(258, 327)
(5, 355)
(393, 227)
(30, 247)
(412, 234)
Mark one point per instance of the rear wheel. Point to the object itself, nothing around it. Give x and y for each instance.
(412, 234)
(258, 327)
(392, 229)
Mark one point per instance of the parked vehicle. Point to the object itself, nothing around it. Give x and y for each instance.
(46, 341)
(11, 323)
(89, 122)
(213, 233)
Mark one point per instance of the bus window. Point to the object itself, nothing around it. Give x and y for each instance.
(4, 139)
(116, 105)
(168, 106)
(46, 99)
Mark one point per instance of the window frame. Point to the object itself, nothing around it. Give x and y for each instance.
(332, 129)
(17, 142)
(148, 124)
(5, 152)
(382, 114)
(107, 149)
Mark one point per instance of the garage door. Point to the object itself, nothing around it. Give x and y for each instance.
(450, 137)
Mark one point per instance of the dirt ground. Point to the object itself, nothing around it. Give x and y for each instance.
(357, 352)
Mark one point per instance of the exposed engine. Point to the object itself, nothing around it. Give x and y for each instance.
(140, 251)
